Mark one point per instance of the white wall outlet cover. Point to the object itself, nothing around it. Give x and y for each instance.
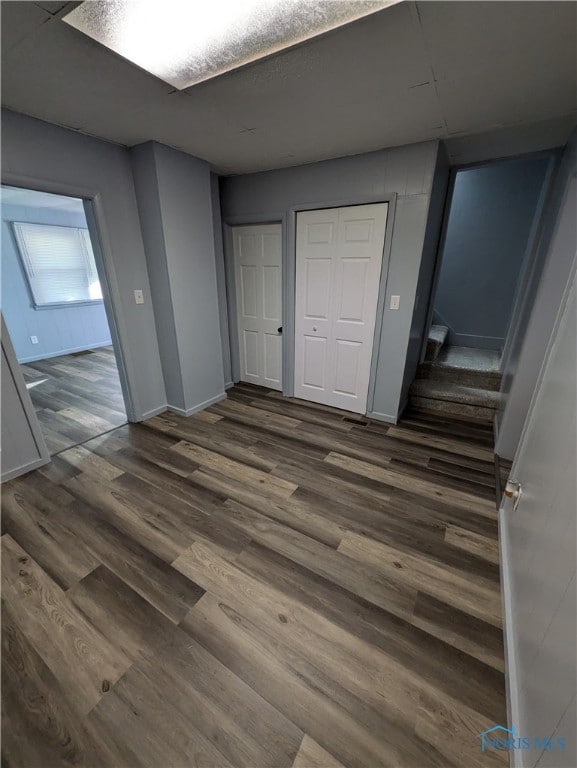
(34, 339)
(395, 302)
(138, 297)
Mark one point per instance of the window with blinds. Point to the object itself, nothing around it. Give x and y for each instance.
(59, 263)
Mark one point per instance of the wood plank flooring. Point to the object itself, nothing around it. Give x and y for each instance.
(76, 397)
(267, 584)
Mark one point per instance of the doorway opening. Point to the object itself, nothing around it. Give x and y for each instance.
(53, 307)
(485, 256)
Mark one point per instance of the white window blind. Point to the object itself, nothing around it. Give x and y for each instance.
(59, 263)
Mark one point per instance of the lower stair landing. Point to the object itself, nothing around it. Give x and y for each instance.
(470, 358)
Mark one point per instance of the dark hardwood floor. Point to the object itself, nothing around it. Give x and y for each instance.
(268, 583)
(76, 397)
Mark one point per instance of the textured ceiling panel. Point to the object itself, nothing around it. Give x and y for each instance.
(467, 38)
(18, 22)
(185, 43)
(406, 74)
(51, 6)
(532, 99)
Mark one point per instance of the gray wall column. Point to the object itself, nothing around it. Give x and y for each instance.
(175, 204)
(556, 253)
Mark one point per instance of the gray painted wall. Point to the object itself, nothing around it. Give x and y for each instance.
(404, 174)
(60, 330)
(552, 265)
(174, 197)
(485, 246)
(148, 200)
(538, 545)
(42, 156)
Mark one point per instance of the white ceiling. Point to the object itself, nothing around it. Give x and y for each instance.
(33, 199)
(413, 72)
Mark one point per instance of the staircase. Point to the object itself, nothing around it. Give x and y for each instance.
(458, 381)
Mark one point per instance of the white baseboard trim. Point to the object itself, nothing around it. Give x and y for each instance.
(382, 417)
(17, 471)
(61, 352)
(153, 412)
(229, 384)
(199, 407)
(511, 674)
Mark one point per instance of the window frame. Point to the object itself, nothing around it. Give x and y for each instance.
(24, 265)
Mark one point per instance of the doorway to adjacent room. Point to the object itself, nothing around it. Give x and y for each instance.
(53, 307)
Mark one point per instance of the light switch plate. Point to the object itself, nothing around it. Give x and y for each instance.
(395, 302)
(138, 297)
(34, 339)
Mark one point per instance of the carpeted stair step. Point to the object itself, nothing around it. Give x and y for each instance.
(466, 377)
(454, 399)
(437, 337)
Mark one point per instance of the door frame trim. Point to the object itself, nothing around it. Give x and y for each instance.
(95, 219)
(287, 219)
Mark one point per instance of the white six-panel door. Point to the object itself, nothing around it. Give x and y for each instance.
(258, 277)
(338, 266)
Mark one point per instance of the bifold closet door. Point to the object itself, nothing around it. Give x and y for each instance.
(258, 277)
(338, 266)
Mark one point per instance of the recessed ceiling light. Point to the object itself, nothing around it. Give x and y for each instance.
(184, 42)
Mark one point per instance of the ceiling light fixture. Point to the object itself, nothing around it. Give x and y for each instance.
(184, 42)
